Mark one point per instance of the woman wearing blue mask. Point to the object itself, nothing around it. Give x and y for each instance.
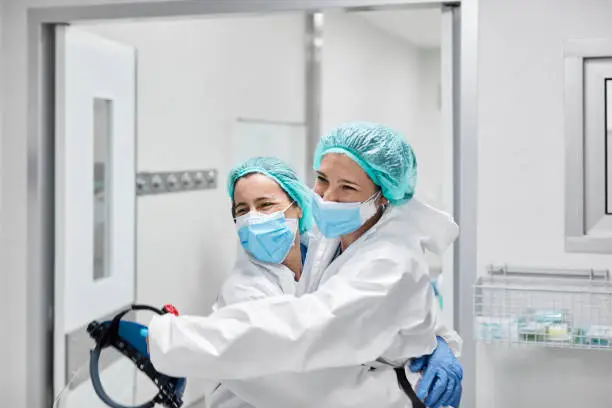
(363, 201)
(271, 208)
(365, 294)
(272, 213)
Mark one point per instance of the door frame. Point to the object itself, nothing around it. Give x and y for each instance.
(41, 158)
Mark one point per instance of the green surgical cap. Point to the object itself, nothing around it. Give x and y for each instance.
(286, 178)
(380, 151)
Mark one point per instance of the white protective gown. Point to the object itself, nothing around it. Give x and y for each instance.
(250, 280)
(373, 300)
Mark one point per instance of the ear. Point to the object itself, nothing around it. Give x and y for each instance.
(382, 201)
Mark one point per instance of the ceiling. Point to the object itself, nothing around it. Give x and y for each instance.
(421, 27)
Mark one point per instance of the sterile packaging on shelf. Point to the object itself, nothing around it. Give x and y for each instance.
(545, 325)
(497, 328)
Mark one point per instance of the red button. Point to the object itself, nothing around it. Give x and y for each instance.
(171, 309)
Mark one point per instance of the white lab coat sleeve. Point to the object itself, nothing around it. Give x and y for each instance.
(352, 319)
(238, 288)
(402, 351)
(222, 397)
(450, 336)
(243, 285)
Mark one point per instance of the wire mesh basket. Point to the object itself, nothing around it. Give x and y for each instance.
(552, 308)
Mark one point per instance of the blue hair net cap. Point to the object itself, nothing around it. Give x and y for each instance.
(380, 151)
(286, 178)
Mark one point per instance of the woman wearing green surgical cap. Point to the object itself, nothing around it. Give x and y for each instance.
(362, 308)
(363, 203)
(272, 210)
(272, 213)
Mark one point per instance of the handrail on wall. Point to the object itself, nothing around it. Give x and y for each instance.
(590, 274)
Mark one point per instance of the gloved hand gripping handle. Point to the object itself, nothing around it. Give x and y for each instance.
(125, 337)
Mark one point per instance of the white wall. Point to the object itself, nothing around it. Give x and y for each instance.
(369, 74)
(521, 186)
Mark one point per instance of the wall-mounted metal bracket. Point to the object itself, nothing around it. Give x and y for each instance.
(148, 183)
(78, 346)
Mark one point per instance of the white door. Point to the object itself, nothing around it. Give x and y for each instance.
(95, 204)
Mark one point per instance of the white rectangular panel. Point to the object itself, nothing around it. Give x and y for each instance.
(285, 141)
(95, 182)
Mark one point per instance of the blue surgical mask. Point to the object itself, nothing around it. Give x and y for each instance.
(267, 237)
(336, 219)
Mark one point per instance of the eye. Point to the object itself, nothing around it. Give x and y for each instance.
(349, 188)
(267, 206)
(321, 179)
(240, 211)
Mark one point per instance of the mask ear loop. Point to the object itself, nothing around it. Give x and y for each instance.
(288, 207)
(373, 197)
(376, 196)
(297, 220)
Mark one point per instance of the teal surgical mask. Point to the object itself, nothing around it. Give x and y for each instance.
(267, 237)
(336, 219)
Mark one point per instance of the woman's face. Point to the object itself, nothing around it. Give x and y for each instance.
(341, 180)
(257, 192)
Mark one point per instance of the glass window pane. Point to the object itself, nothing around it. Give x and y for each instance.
(102, 122)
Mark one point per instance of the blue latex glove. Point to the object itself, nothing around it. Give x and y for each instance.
(440, 385)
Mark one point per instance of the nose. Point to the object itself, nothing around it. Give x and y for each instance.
(330, 195)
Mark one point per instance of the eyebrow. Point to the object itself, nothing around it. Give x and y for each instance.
(345, 181)
(265, 198)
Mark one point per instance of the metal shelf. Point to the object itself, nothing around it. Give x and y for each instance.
(544, 307)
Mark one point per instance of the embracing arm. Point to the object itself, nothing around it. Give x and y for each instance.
(361, 309)
(450, 336)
